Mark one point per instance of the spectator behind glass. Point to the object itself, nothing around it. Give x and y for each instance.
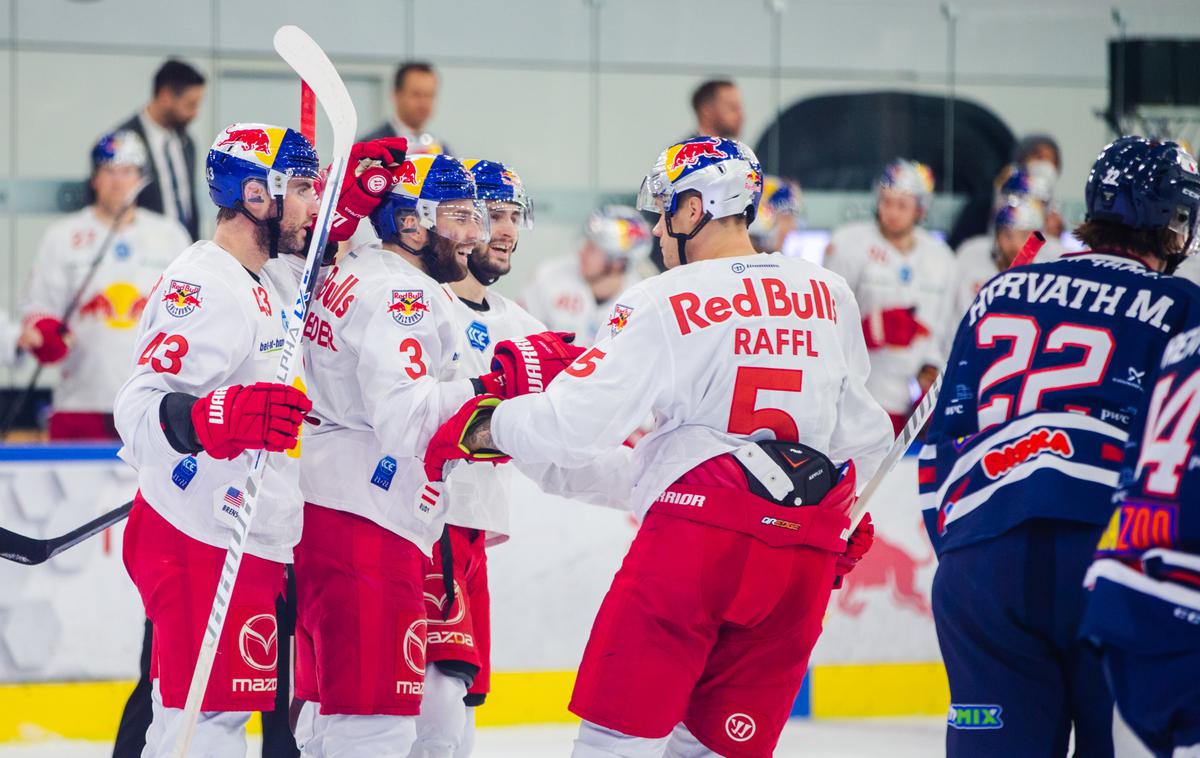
(178, 91)
(1037, 154)
(718, 107)
(414, 96)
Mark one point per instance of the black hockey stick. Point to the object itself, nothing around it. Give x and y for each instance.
(30, 551)
(18, 403)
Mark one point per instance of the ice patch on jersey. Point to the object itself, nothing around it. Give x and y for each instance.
(619, 319)
(478, 335)
(184, 472)
(408, 306)
(181, 298)
(385, 471)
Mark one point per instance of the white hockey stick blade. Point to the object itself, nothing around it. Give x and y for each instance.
(909, 433)
(312, 65)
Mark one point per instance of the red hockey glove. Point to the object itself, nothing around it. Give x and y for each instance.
(261, 416)
(529, 364)
(448, 442)
(373, 169)
(894, 327)
(856, 547)
(53, 347)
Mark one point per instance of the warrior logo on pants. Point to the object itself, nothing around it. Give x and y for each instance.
(739, 727)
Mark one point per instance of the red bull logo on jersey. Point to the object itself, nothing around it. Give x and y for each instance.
(181, 298)
(998, 462)
(619, 318)
(759, 297)
(250, 140)
(408, 306)
(689, 154)
(119, 305)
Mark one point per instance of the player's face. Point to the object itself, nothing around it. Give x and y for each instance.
(460, 229)
(114, 185)
(300, 204)
(415, 101)
(898, 212)
(494, 257)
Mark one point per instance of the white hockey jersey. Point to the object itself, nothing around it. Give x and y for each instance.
(721, 352)
(883, 278)
(560, 298)
(382, 360)
(209, 323)
(478, 493)
(104, 321)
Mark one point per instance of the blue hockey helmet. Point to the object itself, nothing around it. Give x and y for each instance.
(496, 182)
(426, 181)
(270, 154)
(1146, 185)
(120, 148)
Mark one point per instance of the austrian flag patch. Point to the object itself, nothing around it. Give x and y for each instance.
(181, 298)
(408, 306)
(619, 318)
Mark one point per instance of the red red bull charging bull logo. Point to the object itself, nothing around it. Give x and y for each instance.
(181, 298)
(688, 155)
(408, 306)
(251, 140)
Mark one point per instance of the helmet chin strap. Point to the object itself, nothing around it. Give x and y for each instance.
(683, 238)
(272, 224)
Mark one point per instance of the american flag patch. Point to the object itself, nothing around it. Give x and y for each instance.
(234, 499)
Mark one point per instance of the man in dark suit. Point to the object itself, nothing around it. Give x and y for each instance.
(414, 92)
(178, 91)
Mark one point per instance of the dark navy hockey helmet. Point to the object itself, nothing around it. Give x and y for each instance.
(1146, 184)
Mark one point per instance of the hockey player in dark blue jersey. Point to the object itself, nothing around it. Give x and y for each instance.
(1144, 604)
(1046, 375)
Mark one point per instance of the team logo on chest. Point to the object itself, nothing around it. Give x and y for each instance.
(619, 318)
(181, 298)
(408, 306)
(478, 335)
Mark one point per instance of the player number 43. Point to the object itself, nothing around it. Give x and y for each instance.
(165, 353)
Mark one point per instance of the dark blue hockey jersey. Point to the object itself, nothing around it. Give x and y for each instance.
(1046, 375)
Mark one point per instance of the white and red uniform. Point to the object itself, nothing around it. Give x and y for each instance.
(208, 323)
(104, 323)
(721, 353)
(884, 279)
(975, 265)
(559, 297)
(382, 358)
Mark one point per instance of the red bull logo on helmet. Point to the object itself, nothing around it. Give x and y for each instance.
(688, 155)
(412, 173)
(408, 306)
(181, 298)
(250, 140)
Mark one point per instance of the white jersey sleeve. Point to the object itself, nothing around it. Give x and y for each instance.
(211, 324)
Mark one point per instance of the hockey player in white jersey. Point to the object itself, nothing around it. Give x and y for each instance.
(901, 276)
(457, 602)
(753, 366)
(96, 346)
(200, 397)
(384, 371)
(575, 294)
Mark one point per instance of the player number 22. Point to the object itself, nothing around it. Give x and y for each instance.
(165, 353)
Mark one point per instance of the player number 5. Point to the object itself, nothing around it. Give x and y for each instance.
(744, 415)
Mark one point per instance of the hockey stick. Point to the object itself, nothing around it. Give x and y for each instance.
(312, 65)
(922, 412)
(17, 404)
(32, 551)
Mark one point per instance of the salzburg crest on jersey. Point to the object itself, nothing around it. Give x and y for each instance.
(620, 317)
(181, 298)
(408, 306)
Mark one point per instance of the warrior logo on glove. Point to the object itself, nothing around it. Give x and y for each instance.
(408, 306)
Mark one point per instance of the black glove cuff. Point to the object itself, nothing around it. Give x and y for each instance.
(175, 418)
(477, 385)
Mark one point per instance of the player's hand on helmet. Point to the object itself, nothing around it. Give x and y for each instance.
(529, 364)
(463, 437)
(47, 338)
(372, 171)
(262, 416)
(893, 327)
(856, 547)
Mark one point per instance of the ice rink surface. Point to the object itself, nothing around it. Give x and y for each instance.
(896, 738)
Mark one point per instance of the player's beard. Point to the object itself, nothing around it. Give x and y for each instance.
(441, 260)
(291, 241)
(486, 266)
